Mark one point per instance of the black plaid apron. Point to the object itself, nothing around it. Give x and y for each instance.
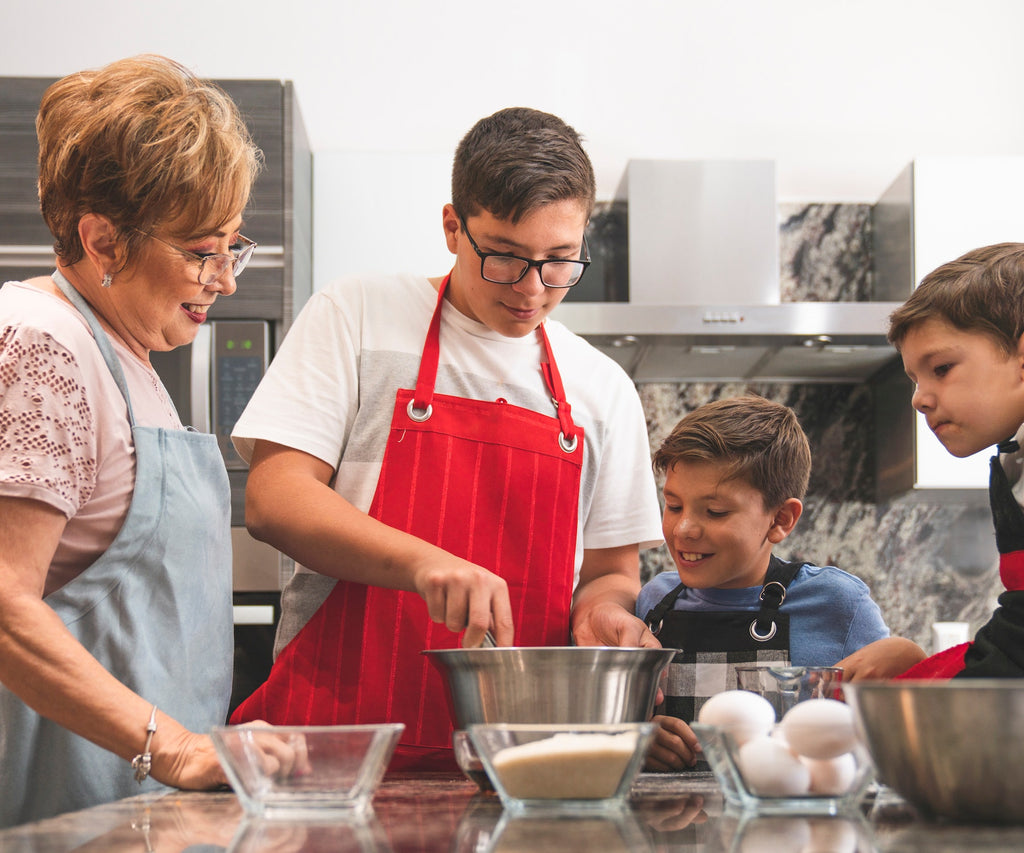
(711, 644)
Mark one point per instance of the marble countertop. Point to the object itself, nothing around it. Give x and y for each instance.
(428, 813)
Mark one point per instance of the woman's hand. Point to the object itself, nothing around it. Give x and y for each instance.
(188, 760)
(184, 759)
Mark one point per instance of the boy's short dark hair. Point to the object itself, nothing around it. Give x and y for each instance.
(981, 291)
(759, 441)
(518, 159)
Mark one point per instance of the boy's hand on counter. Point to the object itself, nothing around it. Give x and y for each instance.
(675, 745)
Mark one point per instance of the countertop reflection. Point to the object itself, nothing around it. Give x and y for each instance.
(431, 812)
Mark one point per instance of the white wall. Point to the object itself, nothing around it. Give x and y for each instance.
(840, 93)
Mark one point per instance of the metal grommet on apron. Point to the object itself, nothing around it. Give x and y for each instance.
(711, 643)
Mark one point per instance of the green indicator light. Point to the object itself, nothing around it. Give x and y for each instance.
(247, 345)
(229, 344)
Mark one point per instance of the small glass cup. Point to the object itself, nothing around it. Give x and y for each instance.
(784, 686)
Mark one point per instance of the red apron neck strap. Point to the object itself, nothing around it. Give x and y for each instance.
(554, 382)
(431, 353)
(427, 377)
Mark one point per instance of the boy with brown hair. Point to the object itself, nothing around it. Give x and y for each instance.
(736, 471)
(961, 337)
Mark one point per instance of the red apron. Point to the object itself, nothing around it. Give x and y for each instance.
(487, 481)
(997, 650)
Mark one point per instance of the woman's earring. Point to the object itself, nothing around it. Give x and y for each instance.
(108, 280)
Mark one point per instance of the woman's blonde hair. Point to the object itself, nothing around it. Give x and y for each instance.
(145, 143)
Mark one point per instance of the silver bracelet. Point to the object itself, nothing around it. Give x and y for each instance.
(143, 762)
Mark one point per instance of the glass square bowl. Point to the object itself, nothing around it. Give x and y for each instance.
(839, 784)
(305, 772)
(562, 767)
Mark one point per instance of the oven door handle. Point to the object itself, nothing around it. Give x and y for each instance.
(201, 377)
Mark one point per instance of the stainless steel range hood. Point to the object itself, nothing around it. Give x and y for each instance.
(704, 296)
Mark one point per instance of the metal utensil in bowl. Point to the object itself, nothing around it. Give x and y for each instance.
(953, 749)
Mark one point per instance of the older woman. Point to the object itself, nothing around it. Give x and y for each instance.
(115, 569)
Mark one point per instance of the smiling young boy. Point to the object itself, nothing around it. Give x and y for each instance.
(736, 471)
(961, 337)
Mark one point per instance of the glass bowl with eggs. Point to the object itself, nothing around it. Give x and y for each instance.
(810, 762)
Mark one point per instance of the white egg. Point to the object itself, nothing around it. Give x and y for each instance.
(769, 769)
(819, 728)
(743, 714)
(831, 777)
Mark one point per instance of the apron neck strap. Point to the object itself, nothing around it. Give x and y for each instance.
(102, 340)
(777, 579)
(427, 378)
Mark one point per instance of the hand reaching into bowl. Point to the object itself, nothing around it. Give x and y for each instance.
(609, 624)
(280, 755)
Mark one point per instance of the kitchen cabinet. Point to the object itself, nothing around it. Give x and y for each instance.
(279, 217)
(935, 210)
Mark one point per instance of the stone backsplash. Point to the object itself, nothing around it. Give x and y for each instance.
(925, 561)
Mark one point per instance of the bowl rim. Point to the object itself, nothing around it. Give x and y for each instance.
(1001, 684)
(490, 650)
(354, 728)
(635, 725)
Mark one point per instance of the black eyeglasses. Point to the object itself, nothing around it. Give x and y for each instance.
(499, 268)
(214, 265)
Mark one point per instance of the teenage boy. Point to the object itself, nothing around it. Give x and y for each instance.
(441, 457)
(736, 471)
(961, 336)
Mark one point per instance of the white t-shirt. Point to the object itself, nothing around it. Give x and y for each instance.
(65, 438)
(330, 392)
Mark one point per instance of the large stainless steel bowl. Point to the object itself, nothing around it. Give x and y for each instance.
(953, 749)
(558, 684)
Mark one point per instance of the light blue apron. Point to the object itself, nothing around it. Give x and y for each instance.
(154, 609)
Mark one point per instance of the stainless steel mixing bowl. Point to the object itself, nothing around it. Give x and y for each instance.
(953, 749)
(558, 684)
